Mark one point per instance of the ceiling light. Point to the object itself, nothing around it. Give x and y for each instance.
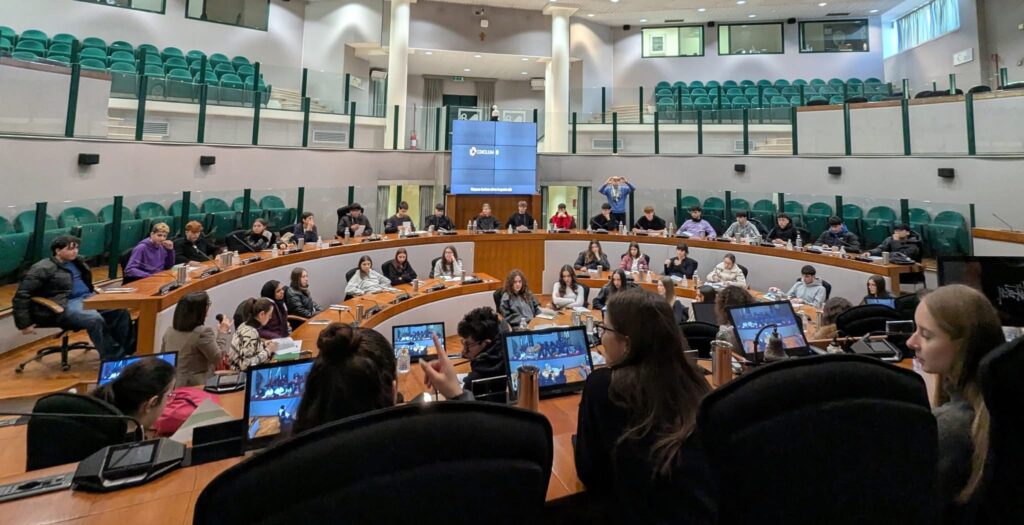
(822, 4)
(591, 15)
(524, 73)
(741, 2)
(642, 20)
(466, 70)
(615, 1)
(524, 59)
(873, 11)
(751, 16)
(429, 53)
(701, 10)
(476, 56)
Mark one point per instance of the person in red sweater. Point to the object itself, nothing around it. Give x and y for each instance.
(561, 220)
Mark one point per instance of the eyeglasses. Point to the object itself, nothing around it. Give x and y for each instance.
(466, 345)
(601, 328)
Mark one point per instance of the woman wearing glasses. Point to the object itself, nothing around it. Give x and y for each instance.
(141, 390)
(482, 345)
(633, 450)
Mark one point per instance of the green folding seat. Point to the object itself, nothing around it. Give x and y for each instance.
(94, 43)
(94, 65)
(730, 84)
(255, 211)
(764, 211)
(43, 250)
(175, 208)
(31, 46)
(231, 88)
(94, 53)
(149, 49)
(90, 230)
(222, 218)
(747, 83)
(947, 234)
(25, 56)
(740, 102)
(714, 206)
(172, 52)
(13, 250)
(835, 100)
(123, 78)
(799, 82)
(130, 233)
(679, 84)
(781, 83)
(716, 222)
(790, 91)
(59, 50)
(151, 59)
(224, 69)
(739, 205)
(156, 85)
(107, 213)
(219, 58)
(795, 210)
(34, 35)
(147, 210)
(920, 219)
(194, 54)
(62, 38)
(6, 226)
(120, 45)
(8, 33)
(240, 61)
(696, 84)
(663, 85)
(702, 103)
(277, 213)
(770, 92)
(853, 216)
(686, 203)
(180, 86)
(878, 224)
(712, 84)
(6, 45)
(26, 222)
(816, 219)
(121, 56)
(173, 63)
(245, 70)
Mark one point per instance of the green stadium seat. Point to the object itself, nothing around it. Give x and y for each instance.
(835, 100)
(739, 205)
(276, 212)
(878, 224)
(92, 52)
(59, 49)
(663, 85)
(178, 227)
(148, 210)
(173, 63)
(734, 92)
(43, 250)
(153, 60)
(816, 218)
(781, 83)
(180, 86)
(714, 206)
(26, 222)
(6, 45)
(156, 85)
(149, 49)
(90, 230)
(175, 208)
(166, 219)
(223, 219)
(194, 54)
(240, 61)
(25, 56)
(95, 65)
(6, 226)
(853, 216)
(799, 82)
(34, 35)
(13, 249)
(740, 102)
(702, 103)
(920, 219)
(121, 56)
(172, 52)
(94, 43)
(729, 84)
(59, 58)
(947, 235)
(746, 83)
(696, 84)
(8, 33)
(130, 233)
(764, 83)
(238, 205)
(107, 213)
(764, 211)
(751, 92)
(679, 84)
(246, 70)
(31, 46)
(795, 210)
(120, 45)
(219, 58)
(231, 88)
(688, 202)
(123, 78)
(712, 84)
(770, 92)
(62, 38)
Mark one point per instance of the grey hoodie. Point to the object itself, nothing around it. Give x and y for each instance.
(812, 294)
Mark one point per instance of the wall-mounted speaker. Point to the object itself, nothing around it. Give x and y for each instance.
(946, 173)
(790, 20)
(835, 170)
(88, 159)
(207, 160)
(627, 27)
(711, 24)
(739, 168)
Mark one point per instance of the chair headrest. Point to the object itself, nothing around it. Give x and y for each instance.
(1000, 372)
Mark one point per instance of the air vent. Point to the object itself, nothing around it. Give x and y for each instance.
(329, 137)
(675, 21)
(605, 144)
(156, 128)
(838, 14)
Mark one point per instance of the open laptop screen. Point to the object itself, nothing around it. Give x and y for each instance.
(272, 396)
(418, 338)
(109, 370)
(747, 320)
(560, 354)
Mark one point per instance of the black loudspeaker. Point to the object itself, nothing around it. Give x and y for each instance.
(790, 20)
(88, 159)
(711, 24)
(207, 160)
(946, 173)
(627, 27)
(740, 168)
(835, 170)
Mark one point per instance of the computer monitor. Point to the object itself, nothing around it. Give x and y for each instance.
(418, 338)
(704, 312)
(1001, 279)
(890, 302)
(272, 396)
(747, 320)
(110, 369)
(560, 354)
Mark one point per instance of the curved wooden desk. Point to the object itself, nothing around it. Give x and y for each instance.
(538, 255)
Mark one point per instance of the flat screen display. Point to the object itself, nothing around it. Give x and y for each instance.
(749, 319)
(884, 301)
(272, 396)
(110, 370)
(491, 158)
(1001, 279)
(418, 338)
(560, 354)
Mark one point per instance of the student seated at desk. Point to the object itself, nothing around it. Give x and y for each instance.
(259, 238)
(616, 283)
(634, 450)
(592, 259)
(439, 220)
(199, 347)
(520, 220)
(277, 327)
(649, 222)
(297, 296)
(903, 240)
(681, 265)
(396, 221)
(247, 347)
(366, 279)
(667, 289)
(706, 294)
(140, 391)
(561, 220)
(951, 344)
(306, 229)
(838, 236)
(728, 272)
(809, 289)
(449, 265)
(784, 231)
(399, 270)
(827, 322)
(633, 260)
(604, 220)
(151, 255)
(727, 298)
(486, 221)
(517, 304)
(567, 292)
(482, 345)
(192, 246)
(351, 219)
(742, 228)
(876, 290)
(696, 226)
(355, 373)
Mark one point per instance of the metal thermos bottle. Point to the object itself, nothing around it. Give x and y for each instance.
(721, 362)
(529, 388)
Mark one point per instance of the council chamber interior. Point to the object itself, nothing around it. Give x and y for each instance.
(602, 261)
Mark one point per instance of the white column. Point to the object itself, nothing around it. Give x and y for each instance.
(547, 107)
(556, 138)
(398, 71)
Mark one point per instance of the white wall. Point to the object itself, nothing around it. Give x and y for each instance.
(1001, 35)
(454, 27)
(277, 46)
(592, 43)
(330, 24)
(632, 70)
(933, 61)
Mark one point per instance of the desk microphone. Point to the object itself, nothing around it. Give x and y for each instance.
(1000, 219)
(139, 432)
(234, 235)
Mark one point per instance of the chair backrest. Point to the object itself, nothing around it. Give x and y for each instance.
(699, 335)
(882, 213)
(107, 213)
(176, 208)
(999, 495)
(350, 273)
(214, 205)
(26, 222)
(852, 211)
(148, 210)
(48, 437)
(819, 208)
(239, 204)
(949, 218)
(498, 474)
(920, 216)
(496, 295)
(433, 264)
(866, 318)
(76, 216)
(271, 202)
(766, 433)
(906, 305)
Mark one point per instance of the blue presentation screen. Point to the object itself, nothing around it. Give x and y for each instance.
(494, 158)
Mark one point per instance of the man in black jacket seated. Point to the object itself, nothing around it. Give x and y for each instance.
(681, 265)
(351, 218)
(259, 238)
(604, 220)
(486, 221)
(394, 223)
(837, 236)
(903, 240)
(520, 221)
(191, 247)
(66, 280)
(482, 345)
(439, 220)
(649, 221)
(784, 231)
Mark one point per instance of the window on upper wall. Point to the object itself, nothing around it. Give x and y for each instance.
(153, 6)
(252, 14)
(683, 41)
(750, 39)
(927, 22)
(834, 36)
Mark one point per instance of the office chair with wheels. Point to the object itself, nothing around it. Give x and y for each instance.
(395, 466)
(348, 277)
(906, 305)
(866, 318)
(699, 335)
(998, 496)
(60, 440)
(773, 434)
(65, 347)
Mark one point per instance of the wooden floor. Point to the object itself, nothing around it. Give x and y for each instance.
(46, 377)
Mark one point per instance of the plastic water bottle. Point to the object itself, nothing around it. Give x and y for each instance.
(799, 242)
(403, 360)
(510, 229)
(274, 251)
(536, 225)
(319, 242)
(415, 286)
(670, 229)
(842, 252)
(522, 324)
(685, 282)
(789, 245)
(348, 232)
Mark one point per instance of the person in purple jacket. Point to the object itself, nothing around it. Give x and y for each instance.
(153, 254)
(696, 226)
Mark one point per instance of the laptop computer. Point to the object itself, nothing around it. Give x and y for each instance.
(561, 354)
(890, 302)
(272, 396)
(747, 320)
(110, 369)
(704, 312)
(417, 338)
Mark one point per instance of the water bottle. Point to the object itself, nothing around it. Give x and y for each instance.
(403, 360)
(721, 358)
(319, 242)
(842, 252)
(536, 225)
(671, 228)
(415, 286)
(522, 324)
(799, 242)
(686, 282)
(789, 245)
(469, 225)
(696, 281)
(273, 251)
(348, 232)
(510, 229)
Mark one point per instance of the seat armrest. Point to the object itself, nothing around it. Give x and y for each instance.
(57, 309)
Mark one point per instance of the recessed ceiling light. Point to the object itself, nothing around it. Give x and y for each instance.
(429, 53)
(615, 1)
(642, 20)
(466, 70)
(822, 4)
(873, 11)
(524, 59)
(701, 10)
(591, 15)
(741, 2)
(476, 56)
(751, 16)
(525, 73)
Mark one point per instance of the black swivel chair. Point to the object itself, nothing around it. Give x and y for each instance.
(496, 295)
(395, 466)
(122, 260)
(866, 318)
(65, 347)
(837, 439)
(999, 495)
(906, 305)
(433, 264)
(699, 335)
(60, 440)
(348, 277)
